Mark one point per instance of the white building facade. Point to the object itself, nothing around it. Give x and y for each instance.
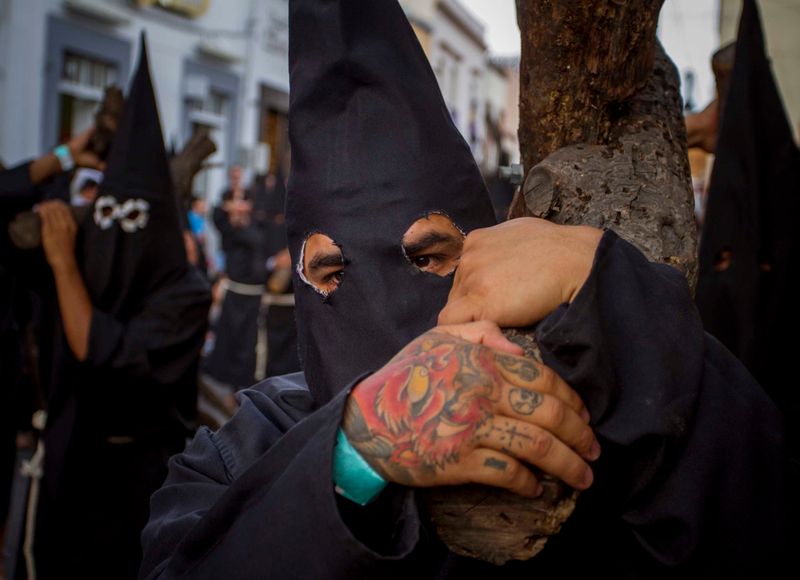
(454, 42)
(222, 64)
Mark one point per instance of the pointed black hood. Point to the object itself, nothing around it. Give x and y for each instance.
(373, 149)
(132, 242)
(747, 291)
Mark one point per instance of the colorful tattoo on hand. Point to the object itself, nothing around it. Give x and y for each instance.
(417, 412)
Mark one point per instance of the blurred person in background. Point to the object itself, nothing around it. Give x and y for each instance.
(21, 187)
(277, 344)
(254, 334)
(119, 360)
(87, 193)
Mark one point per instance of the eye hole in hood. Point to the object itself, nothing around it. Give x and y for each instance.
(433, 244)
(321, 264)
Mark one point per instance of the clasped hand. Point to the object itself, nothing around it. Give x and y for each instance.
(460, 404)
(59, 231)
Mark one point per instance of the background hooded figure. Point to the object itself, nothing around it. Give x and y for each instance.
(114, 418)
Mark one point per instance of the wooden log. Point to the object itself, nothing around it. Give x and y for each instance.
(185, 165)
(639, 184)
(496, 525)
(603, 141)
(106, 120)
(25, 229)
(579, 58)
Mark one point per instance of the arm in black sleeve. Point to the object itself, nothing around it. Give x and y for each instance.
(693, 458)
(219, 515)
(16, 189)
(222, 221)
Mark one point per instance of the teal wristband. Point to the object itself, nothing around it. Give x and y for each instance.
(64, 157)
(353, 477)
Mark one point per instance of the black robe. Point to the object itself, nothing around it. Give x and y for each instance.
(233, 359)
(750, 304)
(17, 193)
(691, 479)
(114, 418)
(113, 421)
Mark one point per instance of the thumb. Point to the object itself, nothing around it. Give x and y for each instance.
(460, 310)
(486, 333)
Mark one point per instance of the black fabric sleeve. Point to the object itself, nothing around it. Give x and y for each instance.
(278, 518)
(222, 221)
(693, 459)
(16, 190)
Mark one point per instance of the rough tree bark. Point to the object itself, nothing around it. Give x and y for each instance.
(106, 120)
(601, 126)
(603, 143)
(185, 165)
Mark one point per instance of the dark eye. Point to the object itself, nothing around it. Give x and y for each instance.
(334, 278)
(422, 261)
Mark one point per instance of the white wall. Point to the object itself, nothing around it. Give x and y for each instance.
(22, 40)
(472, 58)
(172, 39)
(688, 31)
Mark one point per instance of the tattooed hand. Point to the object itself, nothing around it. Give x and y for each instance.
(459, 404)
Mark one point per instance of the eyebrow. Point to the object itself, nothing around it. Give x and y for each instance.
(321, 261)
(427, 241)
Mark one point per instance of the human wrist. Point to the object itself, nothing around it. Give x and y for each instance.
(65, 156)
(353, 477)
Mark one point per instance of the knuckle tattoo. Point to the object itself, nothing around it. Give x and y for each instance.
(524, 402)
(523, 368)
(494, 463)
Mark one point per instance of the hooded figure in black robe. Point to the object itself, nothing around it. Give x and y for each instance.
(277, 348)
(233, 360)
(255, 336)
(17, 193)
(748, 281)
(114, 418)
(690, 480)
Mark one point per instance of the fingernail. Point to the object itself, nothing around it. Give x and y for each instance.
(585, 415)
(539, 491)
(594, 452)
(588, 478)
